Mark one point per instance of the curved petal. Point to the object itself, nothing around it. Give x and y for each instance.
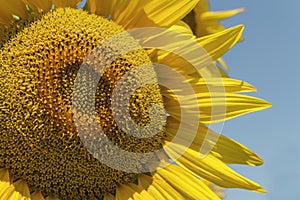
(186, 183)
(223, 64)
(10, 8)
(143, 195)
(164, 13)
(183, 28)
(37, 195)
(40, 6)
(66, 3)
(225, 149)
(17, 191)
(227, 106)
(51, 197)
(219, 43)
(4, 175)
(221, 15)
(211, 47)
(214, 107)
(206, 22)
(100, 7)
(127, 191)
(210, 168)
(109, 196)
(159, 189)
(167, 12)
(224, 83)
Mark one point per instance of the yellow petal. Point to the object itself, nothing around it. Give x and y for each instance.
(219, 43)
(182, 28)
(202, 6)
(159, 188)
(109, 196)
(17, 191)
(232, 152)
(167, 57)
(51, 197)
(214, 106)
(210, 28)
(40, 6)
(126, 191)
(214, 46)
(174, 61)
(128, 13)
(203, 27)
(186, 183)
(218, 190)
(22, 188)
(209, 168)
(5, 186)
(225, 84)
(66, 3)
(205, 22)
(37, 195)
(223, 64)
(164, 13)
(4, 175)
(153, 191)
(6, 190)
(221, 15)
(10, 8)
(167, 12)
(143, 195)
(227, 106)
(100, 7)
(226, 149)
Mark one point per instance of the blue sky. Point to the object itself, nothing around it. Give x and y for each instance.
(268, 59)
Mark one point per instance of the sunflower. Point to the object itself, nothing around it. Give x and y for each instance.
(50, 148)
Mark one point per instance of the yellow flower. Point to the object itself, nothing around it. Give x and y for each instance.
(44, 46)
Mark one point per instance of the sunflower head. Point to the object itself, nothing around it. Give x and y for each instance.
(83, 107)
(38, 67)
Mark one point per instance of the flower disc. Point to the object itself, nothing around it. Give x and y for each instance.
(39, 142)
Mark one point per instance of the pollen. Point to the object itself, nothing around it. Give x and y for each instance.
(39, 60)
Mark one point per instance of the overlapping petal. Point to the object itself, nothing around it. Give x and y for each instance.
(17, 191)
(109, 196)
(100, 7)
(208, 22)
(210, 168)
(37, 195)
(159, 188)
(212, 106)
(219, 43)
(186, 183)
(223, 148)
(223, 84)
(40, 6)
(66, 3)
(10, 8)
(134, 14)
(211, 47)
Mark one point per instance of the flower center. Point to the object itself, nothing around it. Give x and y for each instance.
(39, 142)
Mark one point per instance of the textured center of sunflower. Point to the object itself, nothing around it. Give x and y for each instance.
(38, 139)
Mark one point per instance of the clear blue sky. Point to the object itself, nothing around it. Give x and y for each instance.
(268, 58)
